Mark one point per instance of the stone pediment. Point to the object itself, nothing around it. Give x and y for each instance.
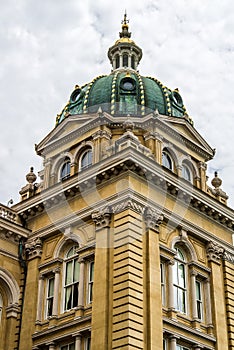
(186, 131)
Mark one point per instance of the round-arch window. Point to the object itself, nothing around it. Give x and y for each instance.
(117, 61)
(177, 98)
(86, 159)
(128, 84)
(167, 161)
(75, 95)
(125, 60)
(65, 170)
(186, 173)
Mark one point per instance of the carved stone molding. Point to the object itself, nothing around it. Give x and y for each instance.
(102, 218)
(9, 236)
(128, 204)
(229, 257)
(214, 252)
(153, 219)
(101, 134)
(33, 249)
(12, 310)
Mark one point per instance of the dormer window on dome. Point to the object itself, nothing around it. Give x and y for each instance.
(125, 53)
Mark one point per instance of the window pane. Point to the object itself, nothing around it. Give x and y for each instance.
(91, 271)
(186, 173)
(76, 270)
(49, 307)
(75, 295)
(68, 298)
(51, 287)
(72, 346)
(181, 275)
(125, 60)
(86, 159)
(166, 160)
(69, 271)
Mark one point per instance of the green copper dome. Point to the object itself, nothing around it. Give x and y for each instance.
(124, 91)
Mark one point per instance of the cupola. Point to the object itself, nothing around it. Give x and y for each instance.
(125, 53)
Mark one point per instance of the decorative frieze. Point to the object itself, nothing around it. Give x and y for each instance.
(128, 204)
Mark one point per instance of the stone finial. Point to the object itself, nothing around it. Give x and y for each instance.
(31, 177)
(216, 182)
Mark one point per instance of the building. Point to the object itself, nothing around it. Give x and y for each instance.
(120, 244)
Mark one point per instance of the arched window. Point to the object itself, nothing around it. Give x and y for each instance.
(65, 171)
(186, 173)
(117, 61)
(179, 281)
(167, 160)
(125, 60)
(86, 159)
(72, 276)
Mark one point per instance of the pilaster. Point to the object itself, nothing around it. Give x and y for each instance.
(101, 313)
(152, 281)
(33, 252)
(128, 305)
(214, 256)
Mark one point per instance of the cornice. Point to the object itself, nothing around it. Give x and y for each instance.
(131, 160)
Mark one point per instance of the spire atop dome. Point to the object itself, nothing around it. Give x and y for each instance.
(125, 33)
(125, 53)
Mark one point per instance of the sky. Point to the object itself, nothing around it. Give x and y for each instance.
(49, 46)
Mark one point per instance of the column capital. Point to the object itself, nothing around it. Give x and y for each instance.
(153, 219)
(102, 218)
(57, 270)
(34, 248)
(214, 252)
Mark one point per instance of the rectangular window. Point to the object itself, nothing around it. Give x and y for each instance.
(90, 282)
(68, 347)
(199, 303)
(88, 344)
(71, 287)
(163, 292)
(50, 297)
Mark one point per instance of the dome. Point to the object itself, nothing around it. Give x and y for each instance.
(124, 91)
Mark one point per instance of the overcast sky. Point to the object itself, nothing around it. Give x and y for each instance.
(48, 46)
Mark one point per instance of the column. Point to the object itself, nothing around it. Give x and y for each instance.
(40, 298)
(171, 304)
(121, 61)
(208, 306)
(51, 345)
(81, 284)
(193, 294)
(56, 291)
(152, 280)
(172, 343)
(77, 341)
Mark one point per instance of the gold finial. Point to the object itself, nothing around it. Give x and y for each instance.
(125, 20)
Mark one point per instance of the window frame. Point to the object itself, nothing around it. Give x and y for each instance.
(49, 297)
(90, 282)
(180, 291)
(68, 346)
(67, 173)
(74, 284)
(89, 162)
(199, 301)
(167, 160)
(163, 282)
(188, 176)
